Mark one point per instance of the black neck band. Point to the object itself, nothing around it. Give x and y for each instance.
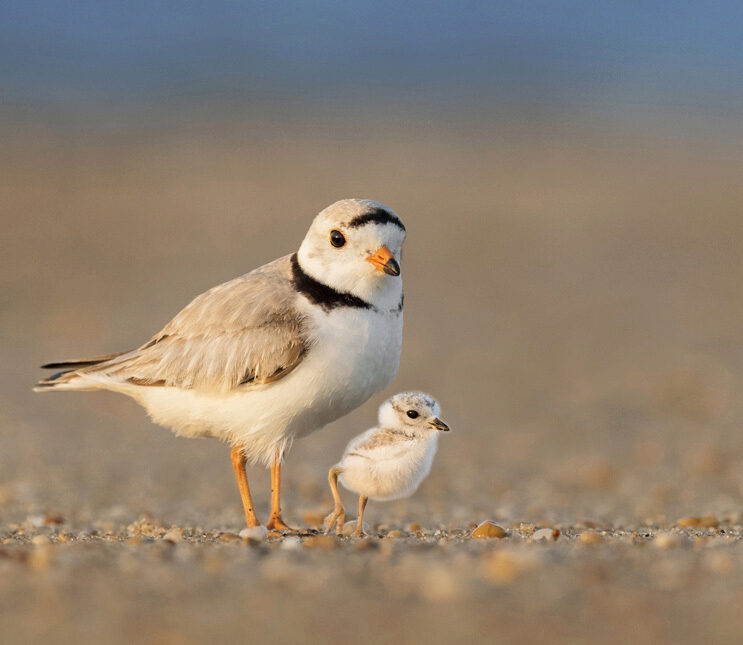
(321, 294)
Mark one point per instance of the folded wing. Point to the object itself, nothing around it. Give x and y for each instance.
(243, 332)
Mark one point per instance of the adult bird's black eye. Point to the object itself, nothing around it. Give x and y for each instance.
(412, 414)
(337, 239)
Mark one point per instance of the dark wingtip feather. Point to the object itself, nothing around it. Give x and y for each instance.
(69, 365)
(52, 380)
(53, 366)
(80, 362)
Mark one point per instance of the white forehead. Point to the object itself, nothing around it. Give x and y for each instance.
(362, 219)
(343, 212)
(419, 401)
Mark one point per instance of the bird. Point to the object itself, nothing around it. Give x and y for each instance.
(275, 354)
(391, 460)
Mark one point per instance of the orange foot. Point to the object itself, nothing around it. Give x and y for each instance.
(275, 523)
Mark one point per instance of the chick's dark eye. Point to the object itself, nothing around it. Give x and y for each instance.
(337, 239)
(412, 414)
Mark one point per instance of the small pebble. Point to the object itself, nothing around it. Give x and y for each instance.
(546, 535)
(689, 522)
(349, 528)
(526, 528)
(173, 537)
(144, 527)
(39, 540)
(489, 529)
(254, 533)
(397, 534)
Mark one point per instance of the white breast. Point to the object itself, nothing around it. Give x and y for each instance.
(355, 353)
(388, 472)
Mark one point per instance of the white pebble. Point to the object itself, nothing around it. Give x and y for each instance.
(546, 535)
(257, 533)
(349, 528)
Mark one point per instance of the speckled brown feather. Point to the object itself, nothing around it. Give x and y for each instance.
(382, 437)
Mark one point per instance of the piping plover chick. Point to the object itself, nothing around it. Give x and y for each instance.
(274, 354)
(391, 460)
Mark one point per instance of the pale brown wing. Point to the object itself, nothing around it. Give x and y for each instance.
(242, 332)
(371, 440)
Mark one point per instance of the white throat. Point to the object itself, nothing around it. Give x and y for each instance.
(357, 278)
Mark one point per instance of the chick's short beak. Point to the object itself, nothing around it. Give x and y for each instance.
(440, 425)
(384, 261)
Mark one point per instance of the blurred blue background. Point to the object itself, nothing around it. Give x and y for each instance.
(610, 58)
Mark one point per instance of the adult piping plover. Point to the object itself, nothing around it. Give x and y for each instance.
(274, 354)
(391, 460)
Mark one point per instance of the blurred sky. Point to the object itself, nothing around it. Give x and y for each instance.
(592, 53)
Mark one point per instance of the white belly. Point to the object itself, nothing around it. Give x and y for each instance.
(356, 353)
(385, 479)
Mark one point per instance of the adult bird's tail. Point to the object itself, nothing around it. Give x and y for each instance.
(70, 374)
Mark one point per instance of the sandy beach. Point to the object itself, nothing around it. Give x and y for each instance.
(572, 299)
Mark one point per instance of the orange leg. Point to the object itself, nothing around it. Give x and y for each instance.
(338, 515)
(275, 523)
(360, 522)
(238, 463)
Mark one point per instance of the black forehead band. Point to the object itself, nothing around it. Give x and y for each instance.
(378, 216)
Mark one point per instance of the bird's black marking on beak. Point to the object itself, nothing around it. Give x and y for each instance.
(440, 425)
(391, 267)
(384, 261)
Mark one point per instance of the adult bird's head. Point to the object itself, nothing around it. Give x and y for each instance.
(354, 246)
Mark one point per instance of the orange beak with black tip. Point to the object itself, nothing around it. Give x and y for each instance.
(384, 261)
